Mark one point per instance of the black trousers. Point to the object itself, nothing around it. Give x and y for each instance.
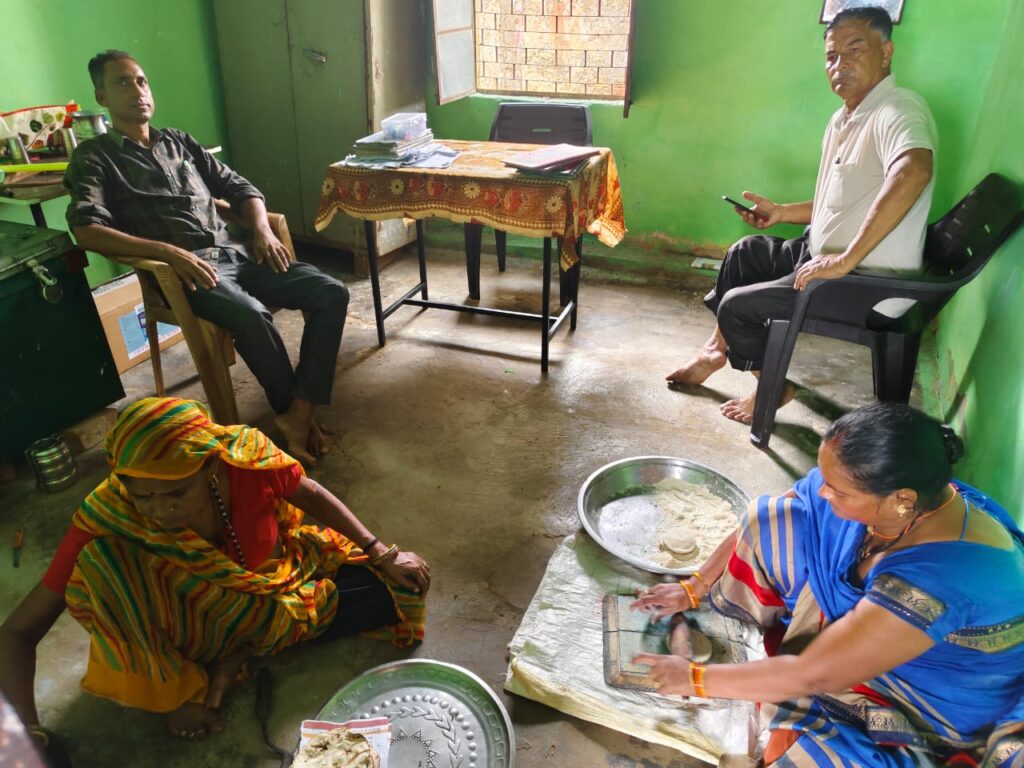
(238, 303)
(755, 285)
(363, 603)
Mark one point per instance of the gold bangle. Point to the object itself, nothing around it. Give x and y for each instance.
(698, 681)
(38, 730)
(388, 553)
(702, 580)
(694, 600)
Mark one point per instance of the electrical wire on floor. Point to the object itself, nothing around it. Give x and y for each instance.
(264, 704)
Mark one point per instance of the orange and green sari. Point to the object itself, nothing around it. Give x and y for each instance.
(160, 605)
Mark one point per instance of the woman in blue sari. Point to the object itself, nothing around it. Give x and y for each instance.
(892, 600)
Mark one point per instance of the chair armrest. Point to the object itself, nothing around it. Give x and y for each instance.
(856, 294)
(278, 224)
(226, 212)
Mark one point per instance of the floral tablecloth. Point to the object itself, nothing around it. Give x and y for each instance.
(479, 188)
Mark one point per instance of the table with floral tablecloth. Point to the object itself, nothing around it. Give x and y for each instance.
(478, 189)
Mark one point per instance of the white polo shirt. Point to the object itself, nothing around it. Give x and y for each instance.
(856, 155)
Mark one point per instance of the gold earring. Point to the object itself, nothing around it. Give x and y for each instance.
(902, 510)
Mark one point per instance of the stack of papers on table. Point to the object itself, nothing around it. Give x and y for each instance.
(380, 151)
(377, 731)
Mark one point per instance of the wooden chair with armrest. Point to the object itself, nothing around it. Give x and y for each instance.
(212, 349)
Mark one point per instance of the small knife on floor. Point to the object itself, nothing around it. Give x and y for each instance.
(16, 544)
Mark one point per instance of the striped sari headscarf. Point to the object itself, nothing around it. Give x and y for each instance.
(161, 604)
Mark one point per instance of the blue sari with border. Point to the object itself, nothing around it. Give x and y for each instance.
(795, 564)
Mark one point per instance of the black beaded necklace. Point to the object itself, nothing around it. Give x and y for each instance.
(230, 529)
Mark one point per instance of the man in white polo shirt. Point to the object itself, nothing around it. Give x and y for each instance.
(870, 206)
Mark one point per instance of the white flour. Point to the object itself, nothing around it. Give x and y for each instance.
(694, 508)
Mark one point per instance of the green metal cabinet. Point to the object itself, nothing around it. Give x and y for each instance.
(298, 94)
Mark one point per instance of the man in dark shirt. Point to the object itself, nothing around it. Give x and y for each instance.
(143, 192)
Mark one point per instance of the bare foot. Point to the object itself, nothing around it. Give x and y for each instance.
(318, 442)
(296, 438)
(741, 409)
(194, 722)
(706, 362)
(223, 674)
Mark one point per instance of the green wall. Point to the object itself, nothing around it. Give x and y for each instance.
(733, 96)
(980, 381)
(726, 97)
(49, 43)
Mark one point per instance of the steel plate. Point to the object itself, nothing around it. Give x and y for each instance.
(442, 716)
(630, 535)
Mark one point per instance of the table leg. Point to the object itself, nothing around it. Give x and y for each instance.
(473, 234)
(371, 254)
(574, 283)
(545, 326)
(421, 255)
(500, 242)
(37, 215)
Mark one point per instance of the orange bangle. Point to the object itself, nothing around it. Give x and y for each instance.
(694, 600)
(702, 580)
(698, 681)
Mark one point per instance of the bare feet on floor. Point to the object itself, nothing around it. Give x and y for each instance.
(706, 362)
(319, 441)
(223, 674)
(194, 722)
(741, 409)
(296, 439)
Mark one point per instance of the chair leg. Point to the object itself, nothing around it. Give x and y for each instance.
(153, 334)
(894, 361)
(473, 234)
(499, 246)
(214, 372)
(778, 352)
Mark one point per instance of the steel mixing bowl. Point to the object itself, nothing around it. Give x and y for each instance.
(630, 534)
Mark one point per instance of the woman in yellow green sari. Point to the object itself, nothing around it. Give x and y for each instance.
(193, 555)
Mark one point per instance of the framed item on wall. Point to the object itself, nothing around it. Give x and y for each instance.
(829, 8)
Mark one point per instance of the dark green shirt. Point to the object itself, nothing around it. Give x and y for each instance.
(166, 193)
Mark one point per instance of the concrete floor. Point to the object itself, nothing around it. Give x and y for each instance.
(452, 443)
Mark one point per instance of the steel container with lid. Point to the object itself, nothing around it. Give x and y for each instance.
(52, 463)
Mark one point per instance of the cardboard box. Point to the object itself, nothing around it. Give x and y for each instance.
(123, 315)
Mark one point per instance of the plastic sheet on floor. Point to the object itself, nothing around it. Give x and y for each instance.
(556, 658)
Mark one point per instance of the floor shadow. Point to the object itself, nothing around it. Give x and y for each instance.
(800, 436)
(820, 404)
(699, 390)
(794, 472)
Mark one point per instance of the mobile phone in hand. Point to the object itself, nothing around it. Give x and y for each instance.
(744, 208)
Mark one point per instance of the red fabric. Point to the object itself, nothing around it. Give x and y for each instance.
(56, 577)
(252, 494)
(253, 497)
(874, 695)
(742, 572)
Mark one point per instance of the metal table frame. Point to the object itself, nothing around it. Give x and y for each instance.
(549, 323)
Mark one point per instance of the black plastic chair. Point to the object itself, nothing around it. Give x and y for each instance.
(530, 123)
(957, 247)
